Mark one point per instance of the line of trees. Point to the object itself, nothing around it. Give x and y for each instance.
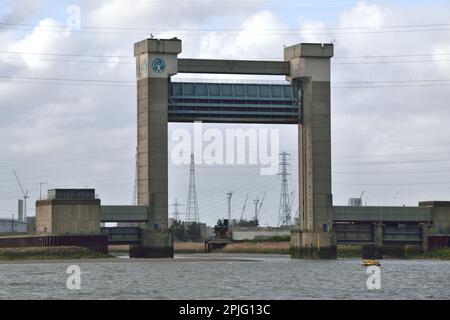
(183, 231)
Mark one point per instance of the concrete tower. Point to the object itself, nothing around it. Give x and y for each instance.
(310, 73)
(156, 61)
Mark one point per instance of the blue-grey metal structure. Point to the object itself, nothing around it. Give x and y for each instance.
(122, 235)
(381, 214)
(356, 224)
(124, 213)
(233, 102)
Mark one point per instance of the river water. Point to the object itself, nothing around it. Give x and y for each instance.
(225, 276)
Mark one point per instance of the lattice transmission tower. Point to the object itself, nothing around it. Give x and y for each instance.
(176, 213)
(284, 213)
(192, 205)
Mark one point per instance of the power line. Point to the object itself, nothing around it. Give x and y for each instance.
(262, 34)
(389, 62)
(412, 55)
(132, 57)
(67, 60)
(377, 172)
(391, 184)
(68, 54)
(156, 28)
(68, 79)
(390, 81)
(340, 84)
(277, 59)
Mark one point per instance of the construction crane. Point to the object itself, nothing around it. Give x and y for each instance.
(260, 205)
(360, 198)
(291, 199)
(25, 196)
(291, 205)
(243, 208)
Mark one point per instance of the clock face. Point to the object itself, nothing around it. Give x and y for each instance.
(158, 65)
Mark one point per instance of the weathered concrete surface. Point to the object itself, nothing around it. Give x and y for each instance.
(425, 229)
(440, 216)
(122, 213)
(156, 61)
(259, 233)
(378, 234)
(152, 110)
(68, 216)
(152, 157)
(310, 73)
(383, 213)
(313, 245)
(233, 66)
(155, 244)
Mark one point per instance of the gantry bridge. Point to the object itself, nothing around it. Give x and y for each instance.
(233, 103)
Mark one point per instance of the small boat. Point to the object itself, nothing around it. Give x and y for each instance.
(370, 262)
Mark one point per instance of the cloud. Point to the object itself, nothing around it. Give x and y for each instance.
(15, 12)
(77, 134)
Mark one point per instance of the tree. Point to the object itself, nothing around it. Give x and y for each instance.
(179, 230)
(193, 231)
(247, 223)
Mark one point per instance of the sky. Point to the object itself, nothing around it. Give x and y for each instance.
(68, 96)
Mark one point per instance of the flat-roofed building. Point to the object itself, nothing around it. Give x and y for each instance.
(12, 226)
(68, 211)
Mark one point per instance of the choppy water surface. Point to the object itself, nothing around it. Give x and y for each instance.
(219, 276)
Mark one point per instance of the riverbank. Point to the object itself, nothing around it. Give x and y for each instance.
(347, 251)
(250, 247)
(267, 247)
(438, 254)
(49, 253)
(343, 251)
(408, 252)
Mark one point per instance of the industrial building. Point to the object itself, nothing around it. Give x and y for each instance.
(259, 233)
(68, 217)
(68, 211)
(12, 226)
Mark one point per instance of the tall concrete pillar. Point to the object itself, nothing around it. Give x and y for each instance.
(378, 234)
(425, 230)
(156, 61)
(310, 74)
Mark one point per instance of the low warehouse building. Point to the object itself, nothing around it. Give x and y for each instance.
(260, 233)
(12, 226)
